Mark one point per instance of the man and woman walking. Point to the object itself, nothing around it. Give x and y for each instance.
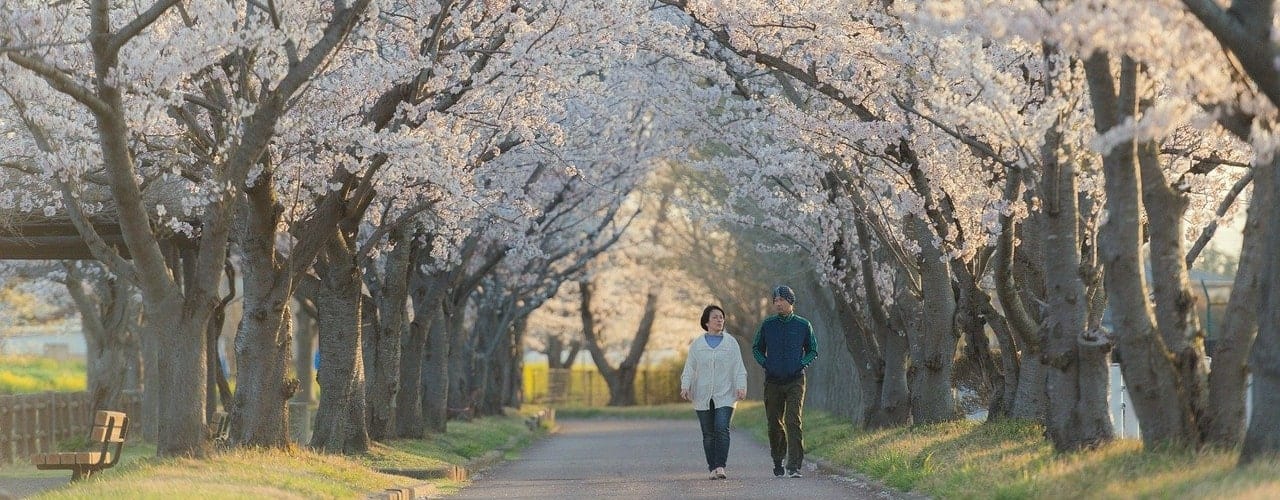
(714, 380)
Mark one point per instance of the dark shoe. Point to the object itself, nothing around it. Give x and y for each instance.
(777, 471)
(794, 473)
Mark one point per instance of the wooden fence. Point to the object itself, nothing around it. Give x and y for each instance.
(34, 423)
(585, 386)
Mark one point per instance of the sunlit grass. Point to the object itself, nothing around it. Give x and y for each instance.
(291, 473)
(1012, 460)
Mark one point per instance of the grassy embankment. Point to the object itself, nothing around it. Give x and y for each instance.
(24, 374)
(294, 473)
(1007, 460)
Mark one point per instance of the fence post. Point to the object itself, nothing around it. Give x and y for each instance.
(646, 374)
(7, 450)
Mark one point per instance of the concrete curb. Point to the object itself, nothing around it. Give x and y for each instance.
(832, 469)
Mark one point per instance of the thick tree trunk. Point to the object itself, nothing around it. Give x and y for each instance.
(150, 368)
(424, 369)
(1005, 392)
(215, 379)
(383, 344)
(106, 359)
(1225, 415)
(879, 346)
(258, 417)
(933, 346)
(1175, 302)
(108, 319)
(435, 373)
(1262, 440)
(1030, 398)
(868, 364)
(1149, 377)
(498, 375)
(895, 392)
(340, 425)
(622, 386)
(1019, 280)
(180, 374)
(409, 423)
(1077, 374)
(461, 361)
(972, 325)
(488, 332)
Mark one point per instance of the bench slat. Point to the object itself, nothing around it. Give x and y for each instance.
(91, 457)
(70, 458)
(102, 417)
(100, 434)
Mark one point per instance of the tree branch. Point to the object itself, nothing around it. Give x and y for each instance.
(138, 24)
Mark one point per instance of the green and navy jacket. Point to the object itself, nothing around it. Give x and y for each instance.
(784, 346)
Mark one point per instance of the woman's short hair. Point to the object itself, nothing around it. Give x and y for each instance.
(706, 314)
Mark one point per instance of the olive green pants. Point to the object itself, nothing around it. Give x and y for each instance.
(783, 404)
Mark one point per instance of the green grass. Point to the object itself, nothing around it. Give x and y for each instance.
(29, 374)
(1012, 460)
(292, 473)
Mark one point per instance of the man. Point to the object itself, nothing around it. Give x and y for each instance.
(785, 346)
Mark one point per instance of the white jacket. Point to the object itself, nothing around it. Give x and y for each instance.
(714, 373)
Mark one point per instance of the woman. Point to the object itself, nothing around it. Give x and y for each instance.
(714, 379)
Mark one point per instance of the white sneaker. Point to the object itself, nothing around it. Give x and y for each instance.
(720, 473)
(714, 475)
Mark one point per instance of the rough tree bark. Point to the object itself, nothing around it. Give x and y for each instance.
(340, 422)
(1075, 357)
(1150, 379)
(933, 345)
(1225, 415)
(383, 344)
(1262, 440)
(1239, 29)
(265, 332)
(108, 319)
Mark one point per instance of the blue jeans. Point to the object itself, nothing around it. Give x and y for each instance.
(715, 434)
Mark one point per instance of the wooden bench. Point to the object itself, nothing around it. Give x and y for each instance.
(109, 427)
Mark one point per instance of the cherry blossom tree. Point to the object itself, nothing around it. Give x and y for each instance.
(120, 66)
(1246, 30)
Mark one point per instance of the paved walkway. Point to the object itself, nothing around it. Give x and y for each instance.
(649, 459)
(29, 486)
